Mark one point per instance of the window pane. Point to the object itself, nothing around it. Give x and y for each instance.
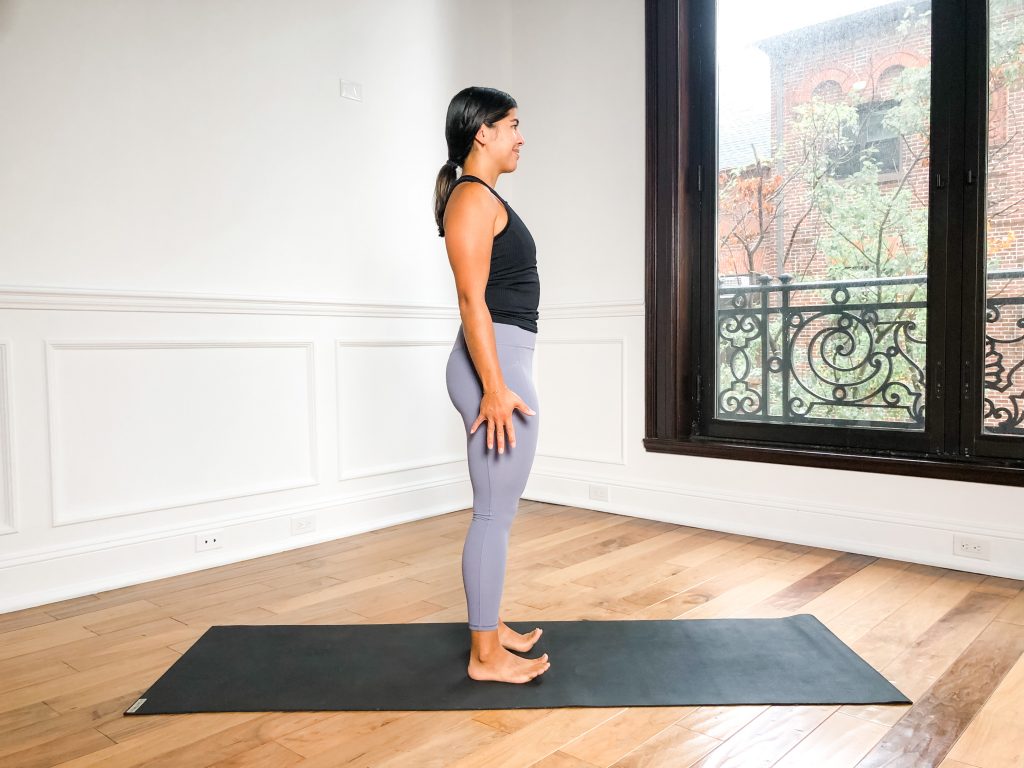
(1003, 411)
(822, 206)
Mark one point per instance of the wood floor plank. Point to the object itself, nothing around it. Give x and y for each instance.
(93, 650)
(18, 672)
(927, 732)
(736, 600)
(343, 589)
(268, 755)
(436, 748)
(621, 734)
(371, 738)
(58, 750)
(131, 642)
(710, 559)
(891, 636)
(721, 723)
(35, 714)
(593, 571)
(269, 595)
(561, 760)
(53, 726)
(1013, 613)
(582, 550)
(840, 597)
(147, 747)
(839, 742)
(21, 641)
(672, 747)
(995, 737)
(922, 663)
(339, 732)
(78, 682)
(877, 606)
(815, 584)
(142, 671)
(998, 585)
(767, 738)
(228, 743)
(538, 739)
(711, 580)
(22, 619)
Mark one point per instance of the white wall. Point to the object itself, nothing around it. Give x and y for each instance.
(224, 304)
(223, 301)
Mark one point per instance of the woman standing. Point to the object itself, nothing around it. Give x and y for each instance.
(494, 260)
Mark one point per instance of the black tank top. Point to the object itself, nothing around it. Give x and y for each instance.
(513, 286)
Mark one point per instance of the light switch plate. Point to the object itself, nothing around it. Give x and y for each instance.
(352, 91)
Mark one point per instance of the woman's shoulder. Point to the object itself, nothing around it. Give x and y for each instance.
(472, 201)
(475, 195)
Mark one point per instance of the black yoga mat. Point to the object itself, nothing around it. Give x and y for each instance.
(627, 663)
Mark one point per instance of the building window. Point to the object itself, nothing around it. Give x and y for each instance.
(819, 288)
(870, 140)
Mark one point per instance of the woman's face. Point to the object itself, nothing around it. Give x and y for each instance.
(507, 141)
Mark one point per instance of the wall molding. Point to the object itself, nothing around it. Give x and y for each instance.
(340, 345)
(8, 522)
(107, 542)
(351, 525)
(97, 299)
(552, 489)
(591, 309)
(623, 401)
(53, 420)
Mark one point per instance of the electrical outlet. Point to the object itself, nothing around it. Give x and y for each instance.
(971, 546)
(599, 492)
(208, 540)
(303, 524)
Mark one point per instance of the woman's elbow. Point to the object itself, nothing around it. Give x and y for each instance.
(471, 300)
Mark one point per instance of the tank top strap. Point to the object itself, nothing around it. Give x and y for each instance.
(470, 177)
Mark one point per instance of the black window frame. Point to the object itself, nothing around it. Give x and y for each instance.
(679, 274)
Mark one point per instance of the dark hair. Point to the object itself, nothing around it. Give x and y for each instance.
(469, 109)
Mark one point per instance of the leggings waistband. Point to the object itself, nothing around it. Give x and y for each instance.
(505, 335)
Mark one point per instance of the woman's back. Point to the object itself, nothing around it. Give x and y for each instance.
(513, 285)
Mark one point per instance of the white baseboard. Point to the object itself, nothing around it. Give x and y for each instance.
(914, 538)
(62, 573)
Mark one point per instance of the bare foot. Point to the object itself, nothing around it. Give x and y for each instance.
(515, 641)
(506, 667)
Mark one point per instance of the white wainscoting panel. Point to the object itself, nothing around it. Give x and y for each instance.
(7, 514)
(140, 426)
(394, 412)
(581, 387)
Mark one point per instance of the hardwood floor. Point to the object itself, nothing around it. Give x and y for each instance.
(952, 641)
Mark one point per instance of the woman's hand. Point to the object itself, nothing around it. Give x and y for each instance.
(496, 409)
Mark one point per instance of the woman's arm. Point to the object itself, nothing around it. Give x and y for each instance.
(469, 221)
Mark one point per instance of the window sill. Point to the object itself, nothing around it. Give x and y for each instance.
(972, 470)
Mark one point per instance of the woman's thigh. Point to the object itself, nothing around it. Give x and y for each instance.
(505, 474)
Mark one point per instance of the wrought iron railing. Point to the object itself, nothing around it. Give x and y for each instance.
(852, 352)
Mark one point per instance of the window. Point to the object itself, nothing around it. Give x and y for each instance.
(832, 279)
(871, 140)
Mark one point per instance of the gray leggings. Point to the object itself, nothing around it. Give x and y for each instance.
(498, 479)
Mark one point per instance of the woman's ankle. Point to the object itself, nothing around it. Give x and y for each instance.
(485, 643)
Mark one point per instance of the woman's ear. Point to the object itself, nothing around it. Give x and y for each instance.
(484, 134)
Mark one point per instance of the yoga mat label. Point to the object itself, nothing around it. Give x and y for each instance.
(135, 707)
